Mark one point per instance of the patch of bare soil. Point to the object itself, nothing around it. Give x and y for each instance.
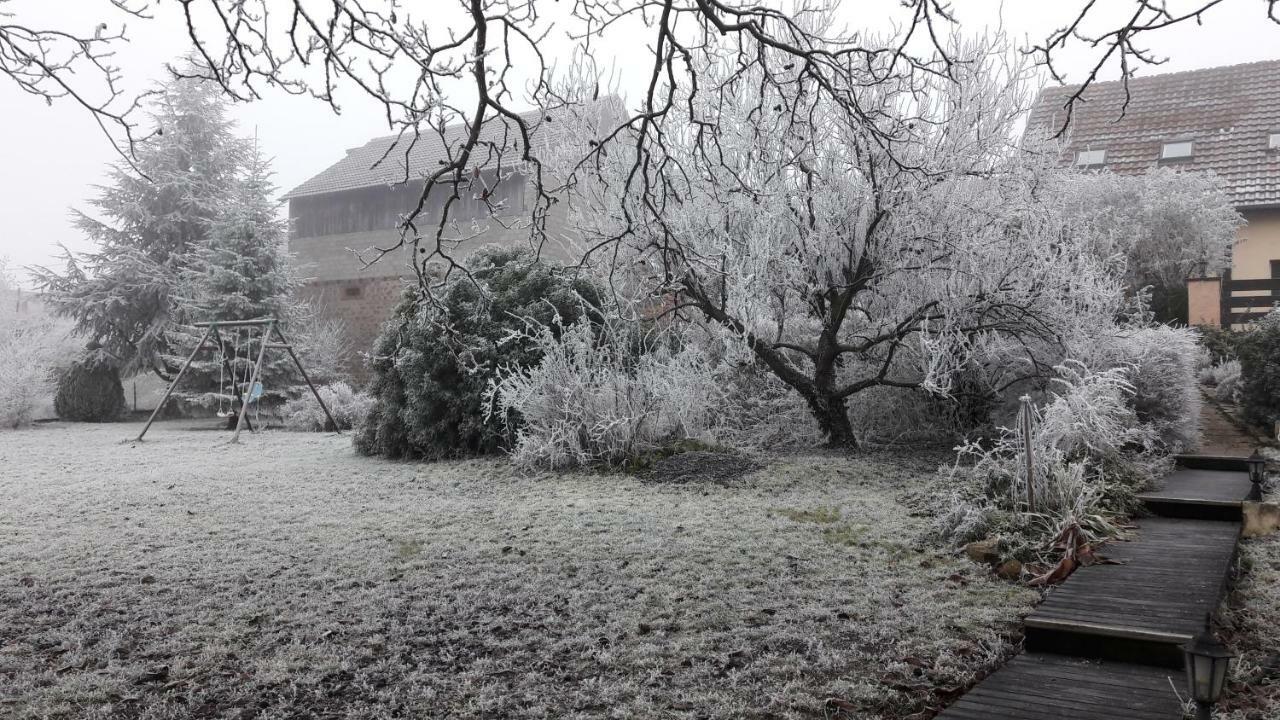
(701, 466)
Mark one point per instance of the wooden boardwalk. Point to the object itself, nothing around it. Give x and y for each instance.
(1106, 644)
(1199, 493)
(1056, 687)
(1171, 575)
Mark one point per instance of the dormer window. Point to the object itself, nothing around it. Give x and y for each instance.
(1177, 150)
(1273, 141)
(1091, 158)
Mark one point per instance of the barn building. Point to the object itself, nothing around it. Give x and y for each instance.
(354, 206)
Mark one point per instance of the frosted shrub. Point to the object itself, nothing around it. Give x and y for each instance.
(322, 343)
(1090, 453)
(90, 389)
(349, 408)
(594, 399)
(1225, 379)
(1259, 354)
(32, 353)
(437, 356)
(760, 412)
(1166, 394)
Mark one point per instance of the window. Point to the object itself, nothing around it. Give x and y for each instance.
(1089, 158)
(1273, 141)
(1178, 150)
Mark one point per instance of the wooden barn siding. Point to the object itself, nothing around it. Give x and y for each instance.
(327, 231)
(380, 208)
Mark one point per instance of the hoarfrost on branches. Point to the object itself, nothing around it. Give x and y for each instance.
(775, 213)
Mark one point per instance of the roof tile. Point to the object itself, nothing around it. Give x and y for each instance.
(1227, 112)
(395, 159)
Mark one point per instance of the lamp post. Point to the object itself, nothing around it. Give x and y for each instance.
(1257, 473)
(1206, 661)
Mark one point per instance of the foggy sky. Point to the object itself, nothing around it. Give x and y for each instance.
(50, 157)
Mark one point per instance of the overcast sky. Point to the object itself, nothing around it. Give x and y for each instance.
(52, 156)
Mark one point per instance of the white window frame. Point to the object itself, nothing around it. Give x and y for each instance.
(1165, 149)
(1091, 158)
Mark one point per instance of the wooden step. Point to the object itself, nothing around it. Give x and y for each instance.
(1238, 463)
(1172, 573)
(1198, 493)
(1037, 686)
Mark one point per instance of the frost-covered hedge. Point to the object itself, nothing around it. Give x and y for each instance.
(1162, 370)
(90, 390)
(436, 357)
(349, 408)
(1259, 352)
(604, 393)
(32, 353)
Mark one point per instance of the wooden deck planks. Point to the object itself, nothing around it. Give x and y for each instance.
(1037, 685)
(1134, 614)
(1171, 574)
(1201, 487)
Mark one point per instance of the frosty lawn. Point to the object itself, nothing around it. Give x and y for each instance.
(183, 577)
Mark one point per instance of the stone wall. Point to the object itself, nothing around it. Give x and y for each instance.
(362, 304)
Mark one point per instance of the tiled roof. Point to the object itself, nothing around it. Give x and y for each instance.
(1227, 112)
(385, 160)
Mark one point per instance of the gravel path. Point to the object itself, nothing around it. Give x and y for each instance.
(287, 577)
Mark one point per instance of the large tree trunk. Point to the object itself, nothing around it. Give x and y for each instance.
(833, 418)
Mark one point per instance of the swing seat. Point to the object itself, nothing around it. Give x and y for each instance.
(225, 413)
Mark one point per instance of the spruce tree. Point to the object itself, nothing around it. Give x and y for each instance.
(148, 218)
(239, 271)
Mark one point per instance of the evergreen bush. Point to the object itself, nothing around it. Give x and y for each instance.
(1259, 389)
(1220, 342)
(436, 356)
(90, 390)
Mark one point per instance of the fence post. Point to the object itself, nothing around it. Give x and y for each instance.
(1025, 421)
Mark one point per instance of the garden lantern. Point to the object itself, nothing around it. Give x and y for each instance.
(1206, 661)
(1257, 473)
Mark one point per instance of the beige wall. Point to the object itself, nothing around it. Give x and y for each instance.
(1257, 245)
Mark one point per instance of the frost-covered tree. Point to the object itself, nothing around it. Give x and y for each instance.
(481, 63)
(147, 219)
(1166, 224)
(844, 261)
(237, 271)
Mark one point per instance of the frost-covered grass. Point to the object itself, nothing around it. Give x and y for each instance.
(287, 577)
(1254, 635)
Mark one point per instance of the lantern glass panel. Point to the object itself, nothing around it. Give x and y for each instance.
(1219, 677)
(1200, 676)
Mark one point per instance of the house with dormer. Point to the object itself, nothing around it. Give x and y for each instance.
(1222, 120)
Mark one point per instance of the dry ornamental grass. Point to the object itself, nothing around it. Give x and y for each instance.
(286, 577)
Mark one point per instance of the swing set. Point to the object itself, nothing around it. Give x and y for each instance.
(247, 387)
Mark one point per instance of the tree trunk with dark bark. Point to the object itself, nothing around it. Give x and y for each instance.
(833, 418)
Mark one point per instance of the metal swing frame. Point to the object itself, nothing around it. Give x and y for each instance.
(211, 330)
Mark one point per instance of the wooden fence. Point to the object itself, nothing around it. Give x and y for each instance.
(1245, 301)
